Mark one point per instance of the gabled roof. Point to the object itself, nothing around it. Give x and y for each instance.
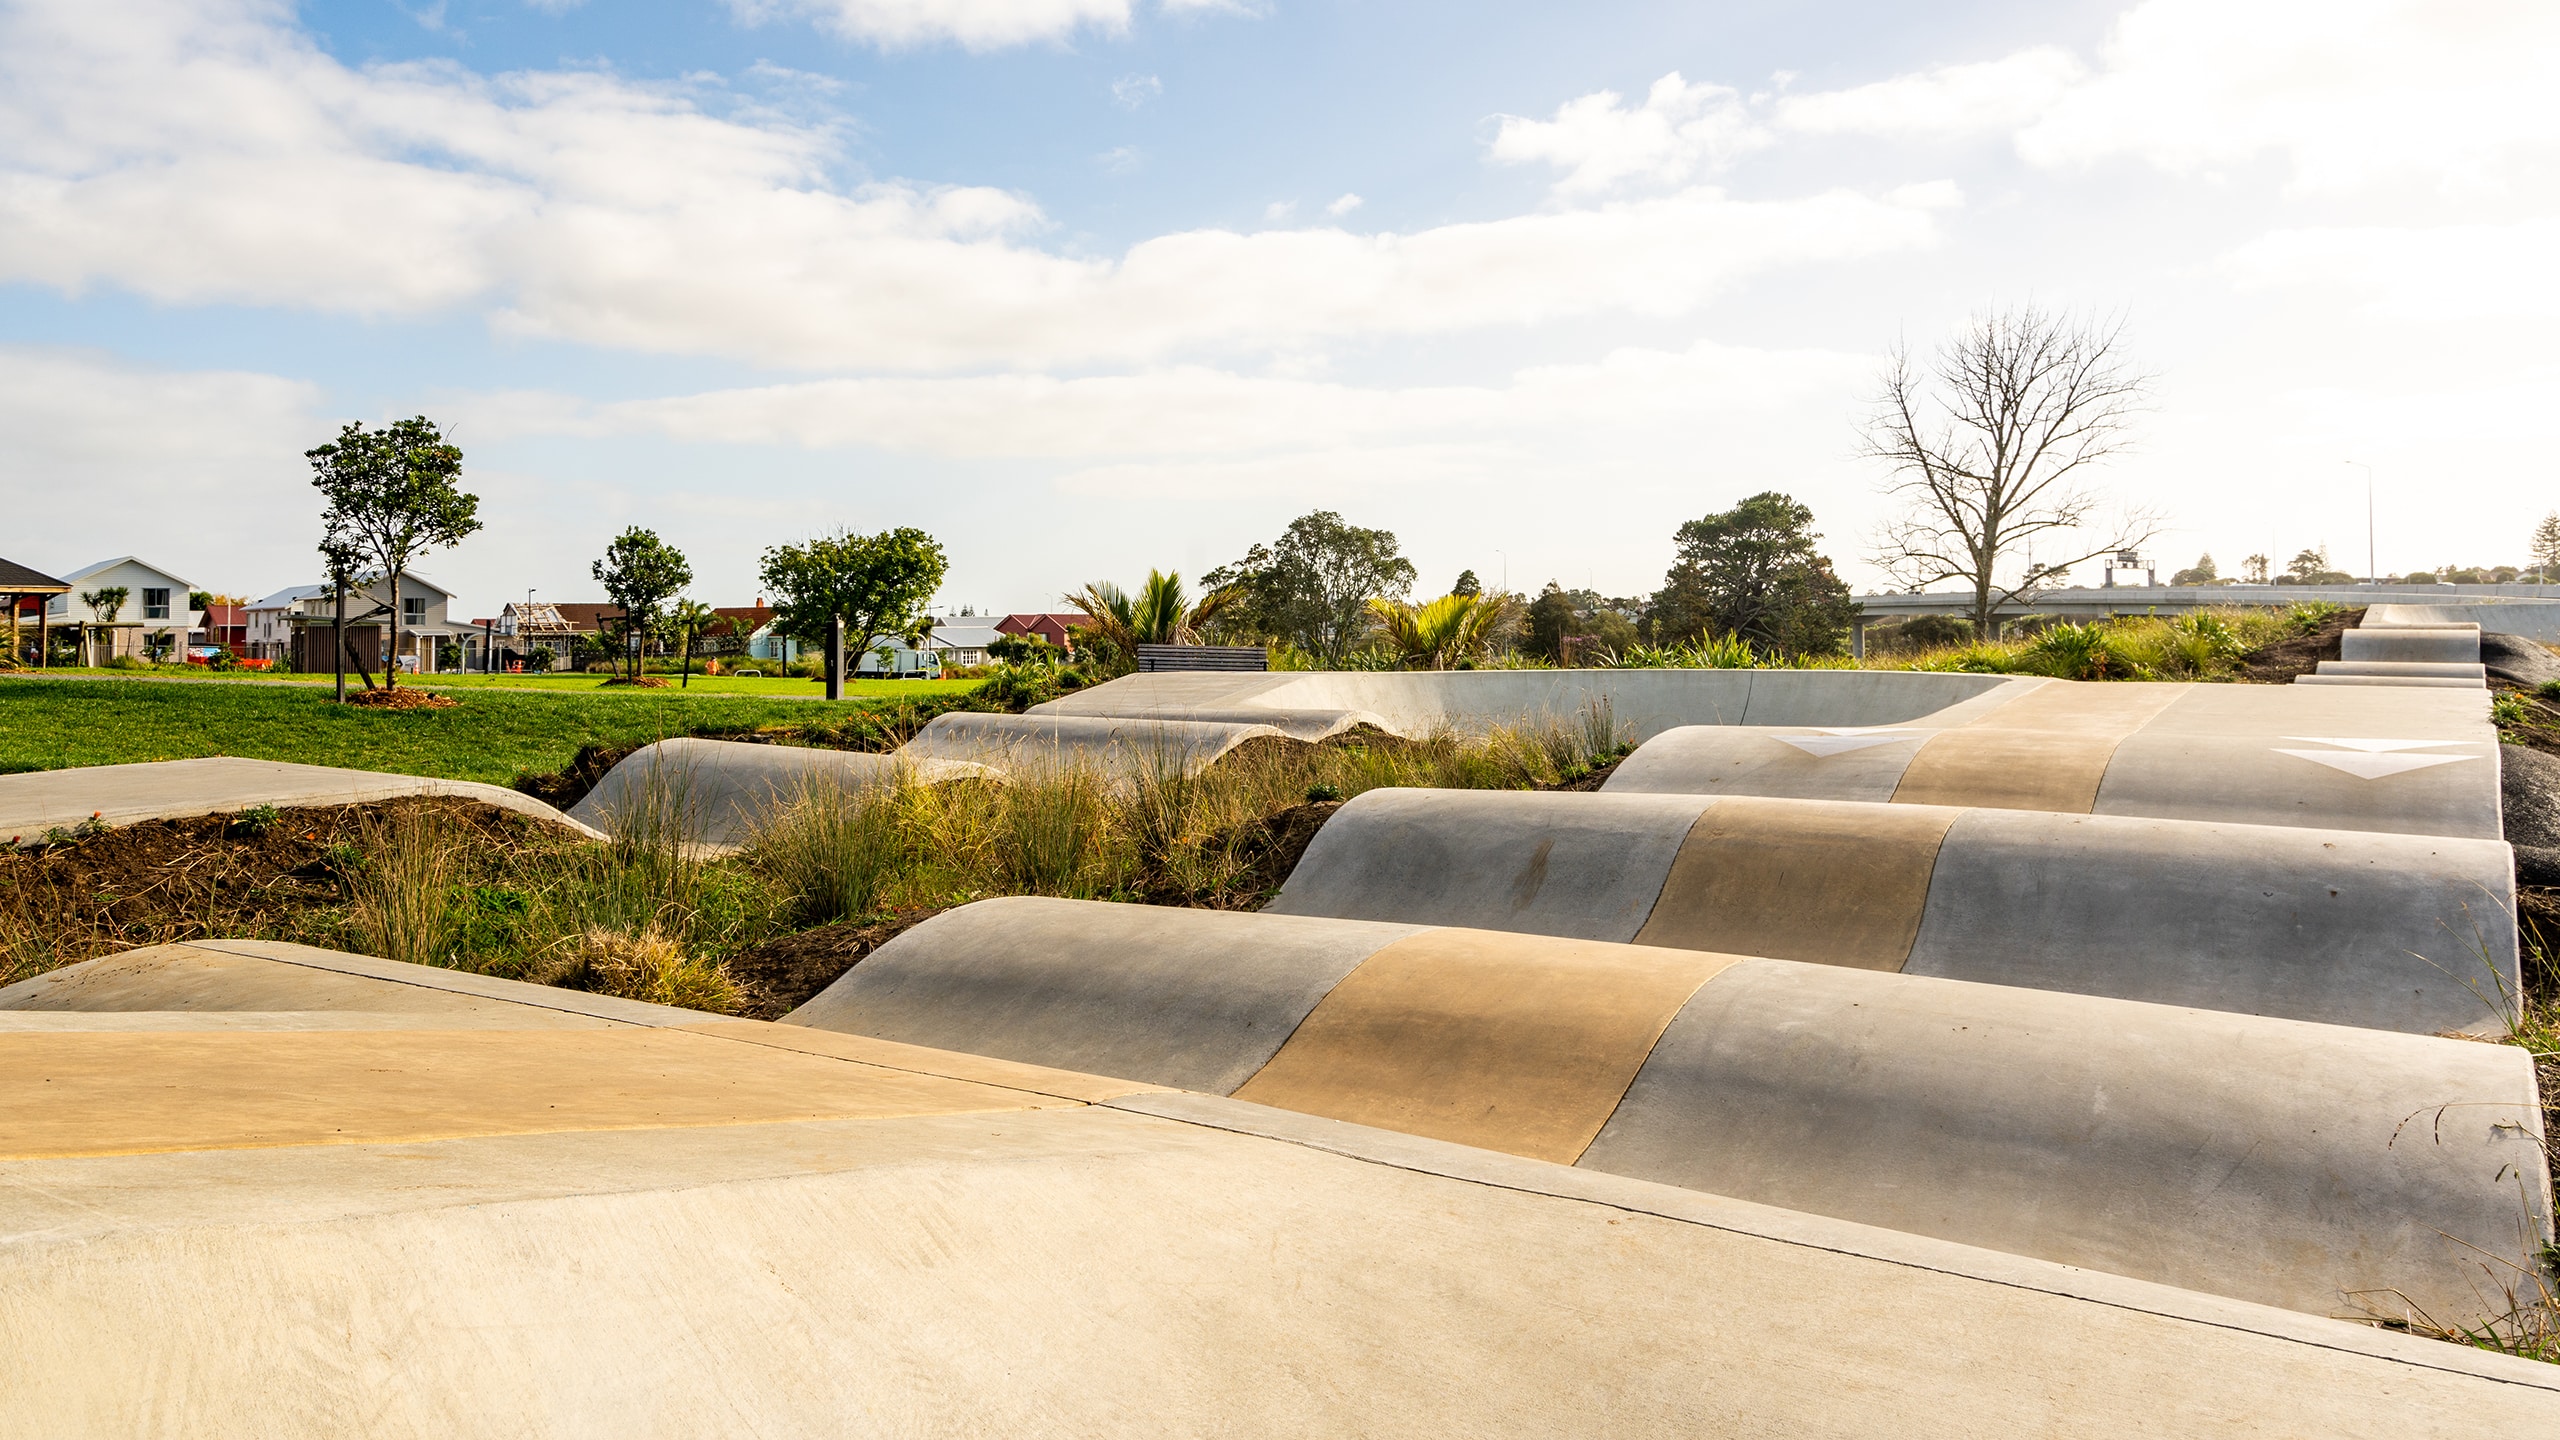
(17, 579)
(287, 599)
(85, 571)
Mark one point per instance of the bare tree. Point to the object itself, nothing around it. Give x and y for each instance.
(1990, 446)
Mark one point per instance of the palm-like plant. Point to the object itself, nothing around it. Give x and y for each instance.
(1439, 633)
(1159, 614)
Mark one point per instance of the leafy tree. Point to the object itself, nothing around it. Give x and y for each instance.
(2545, 547)
(1312, 587)
(1989, 449)
(2202, 572)
(2254, 570)
(687, 620)
(2311, 567)
(641, 573)
(1752, 571)
(1467, 584)
(879, 583)
(391, 497)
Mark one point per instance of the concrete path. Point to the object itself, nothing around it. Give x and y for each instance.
(468, 1229)
(2255, 1157)
(2396, 932)
(41, 800)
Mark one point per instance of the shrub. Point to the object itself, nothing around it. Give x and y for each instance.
(2068, 651)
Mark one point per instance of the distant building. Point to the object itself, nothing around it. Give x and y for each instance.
(293, 625)
(155, 617)
(1050, 626)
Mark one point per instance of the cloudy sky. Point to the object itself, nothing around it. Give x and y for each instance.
(1088, 286)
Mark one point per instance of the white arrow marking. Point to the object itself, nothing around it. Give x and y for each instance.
(1841, 742)
(2365, 765)
(2372, 747)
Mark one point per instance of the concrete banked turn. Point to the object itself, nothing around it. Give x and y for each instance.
(2394, 932)
(2243, 1155)
(277, 1192)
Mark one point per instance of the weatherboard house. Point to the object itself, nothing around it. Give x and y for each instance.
(294, 624)
(154, 615)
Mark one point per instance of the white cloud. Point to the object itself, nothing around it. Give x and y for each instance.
(2345, 92)
(2434, 274)
(974, 24)
(1343, 205)
(1120, 159)
(1602, 143)
(1952, 100)
(209, 153)
(1279, 210)
(1131, 91)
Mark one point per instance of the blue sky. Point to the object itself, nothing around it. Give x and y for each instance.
(1085, 286)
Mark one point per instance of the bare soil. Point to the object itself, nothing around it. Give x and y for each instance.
(402, 700)
(2278, 663)
(782, 974)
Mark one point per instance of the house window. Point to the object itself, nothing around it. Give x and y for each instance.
(155, 604)
(413, 610)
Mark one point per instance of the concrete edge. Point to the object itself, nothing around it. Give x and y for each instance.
(457, 982)
(1843, 1237)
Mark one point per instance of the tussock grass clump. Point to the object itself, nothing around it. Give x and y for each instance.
(402, 878)
(2201, 645)
(646, 966)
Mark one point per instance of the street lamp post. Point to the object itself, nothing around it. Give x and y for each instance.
(2372, 575)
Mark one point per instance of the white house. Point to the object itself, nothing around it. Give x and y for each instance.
(954, 640)
(154, 616)
(425, 627)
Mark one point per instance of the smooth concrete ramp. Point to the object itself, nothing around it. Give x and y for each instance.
(462, 1230)
(714, 792)
(2256, 1157)
(1122, 750)
(2393, 932)
(2390, 758)
(41, 800)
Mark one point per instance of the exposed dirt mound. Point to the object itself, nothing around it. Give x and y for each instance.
(780, 975)
(208, 876)
(646, 682)
(411, 699)
(564, 788)
(2278, 663)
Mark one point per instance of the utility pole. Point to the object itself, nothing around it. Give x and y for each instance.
(2372, 575)
(835, 657)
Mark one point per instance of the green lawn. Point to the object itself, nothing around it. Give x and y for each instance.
(491, 735)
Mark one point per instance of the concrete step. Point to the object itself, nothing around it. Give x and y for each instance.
(2440, 669)
(2415, 681)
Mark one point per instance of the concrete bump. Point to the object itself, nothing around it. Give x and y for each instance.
(1192, 998)
(1121, 748)
(41, 800)
(2258, 1158)
(1513, 1043)
(1835, 882)
(714, 792)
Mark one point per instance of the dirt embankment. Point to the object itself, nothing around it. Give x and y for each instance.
(2278, 663)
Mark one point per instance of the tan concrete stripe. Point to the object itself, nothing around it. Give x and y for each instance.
(127, 1093)
(2046, 750)
(897, 1055)
(1518, 1043)
(1835, 882)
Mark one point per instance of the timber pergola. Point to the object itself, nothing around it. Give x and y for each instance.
(18, 584)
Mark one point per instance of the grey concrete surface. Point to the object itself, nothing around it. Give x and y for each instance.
(1588, 866)
(2317, 1167)
(1841, 763)
(2440, 682)
(2412, 933)
(2436, 669)
(1122, 749)
(2408, 785)
(2407, 644)
(40, 800)
(714, 792)
(2536, 622)
(1906, 1101)
(1195, 998)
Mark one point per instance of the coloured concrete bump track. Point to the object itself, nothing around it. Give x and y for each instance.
(2394, 758)
(1515, 1042)
(41, 800)
(606, 1218)
(2409, 933)
(713, 792)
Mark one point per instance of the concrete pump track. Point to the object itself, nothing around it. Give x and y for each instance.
(1876, 1053)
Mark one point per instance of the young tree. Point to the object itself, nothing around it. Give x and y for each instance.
(687, 620)
(103, 604)
(391, 497)
(1989, 450)
(2545, 547)
(1752, 571)
(641, 573)
(1312, 587)
(879, 583)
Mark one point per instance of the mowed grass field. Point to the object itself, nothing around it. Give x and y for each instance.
(491, 734)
